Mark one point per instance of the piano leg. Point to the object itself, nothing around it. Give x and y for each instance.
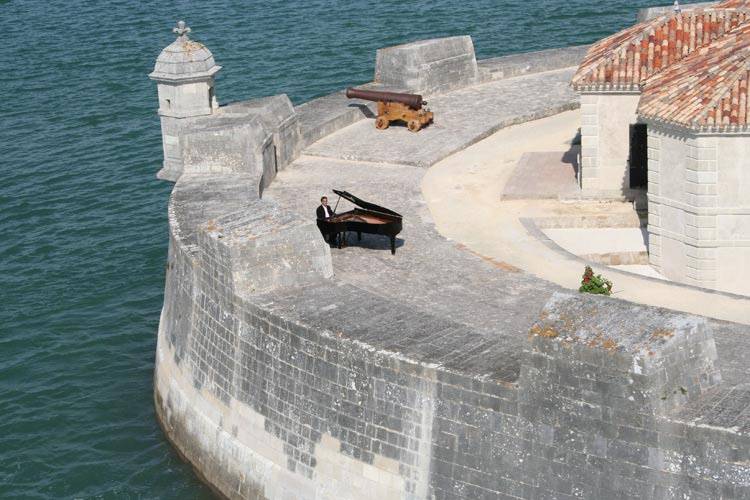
(359, 235)
(393, 245)
(341, 239)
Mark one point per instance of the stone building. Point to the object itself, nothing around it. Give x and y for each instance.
(664, 106)
(609, 79)
(696, 113)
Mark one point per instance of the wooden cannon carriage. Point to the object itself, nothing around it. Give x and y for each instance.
(394, 106)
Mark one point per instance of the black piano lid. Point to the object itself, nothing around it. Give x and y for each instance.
(365, 204)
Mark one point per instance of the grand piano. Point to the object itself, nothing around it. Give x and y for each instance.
(369, 218)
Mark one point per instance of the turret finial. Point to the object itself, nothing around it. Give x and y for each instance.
(181, 29)
(677, 8)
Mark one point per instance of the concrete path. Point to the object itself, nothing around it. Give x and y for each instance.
(463, 193)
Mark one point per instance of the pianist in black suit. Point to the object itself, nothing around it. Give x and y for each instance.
(324, 211)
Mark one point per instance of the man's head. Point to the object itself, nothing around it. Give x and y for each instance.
(324, 200)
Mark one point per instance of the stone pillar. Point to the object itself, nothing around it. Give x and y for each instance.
(589, 140)
(700, 223)
(605, 142)
(654, 201)
(428, 66)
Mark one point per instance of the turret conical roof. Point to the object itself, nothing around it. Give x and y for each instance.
(184, 59)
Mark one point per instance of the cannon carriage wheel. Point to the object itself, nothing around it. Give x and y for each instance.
(414, 125)
(381, 123)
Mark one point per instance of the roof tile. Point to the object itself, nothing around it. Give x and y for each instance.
(708, 89)
(625, 60)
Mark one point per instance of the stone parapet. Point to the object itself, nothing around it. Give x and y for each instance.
(498, 68)
(325, 115)
(258, 137)
(660, 359)
(428, 66)
(652, 12)
(266, 248)
(226, 144)
(278, 116)
(313, 412)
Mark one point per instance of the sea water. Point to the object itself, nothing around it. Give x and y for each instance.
(83, 234)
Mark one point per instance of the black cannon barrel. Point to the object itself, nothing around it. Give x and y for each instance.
(414, 101)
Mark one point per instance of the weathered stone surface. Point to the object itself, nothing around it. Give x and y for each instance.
(540, 175)
(325, 115)
(428, 66)
(671, 356)
(257, 137)
(267, 248)
(462, 292)
(226, 144)
(279, 116)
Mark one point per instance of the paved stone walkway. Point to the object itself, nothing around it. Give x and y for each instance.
(461, 118)
(456, 308)
(441, 290)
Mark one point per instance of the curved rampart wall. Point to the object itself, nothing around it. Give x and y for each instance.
(267, 405)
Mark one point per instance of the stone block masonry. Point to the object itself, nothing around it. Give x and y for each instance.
(283, 373)
(605, 126)
(258, 137)
(514, 65)
(696, 216)
(428, 66)
(281, 403)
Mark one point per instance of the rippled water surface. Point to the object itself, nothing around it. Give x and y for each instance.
(83, 233)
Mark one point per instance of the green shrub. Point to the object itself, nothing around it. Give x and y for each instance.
(595, 283)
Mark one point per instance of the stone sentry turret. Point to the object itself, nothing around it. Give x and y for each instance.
(255, 138)
(184, 73)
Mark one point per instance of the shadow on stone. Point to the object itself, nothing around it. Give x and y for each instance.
(364, 109)
(371, 242)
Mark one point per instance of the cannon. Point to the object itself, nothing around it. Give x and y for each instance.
(393, 106)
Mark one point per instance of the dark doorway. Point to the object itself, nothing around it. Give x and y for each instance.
(638, 156)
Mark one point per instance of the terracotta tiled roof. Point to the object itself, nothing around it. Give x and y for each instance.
(706, 90)
(626, 59)
(733, 4)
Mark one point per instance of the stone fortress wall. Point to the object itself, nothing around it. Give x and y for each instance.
(267, 403)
